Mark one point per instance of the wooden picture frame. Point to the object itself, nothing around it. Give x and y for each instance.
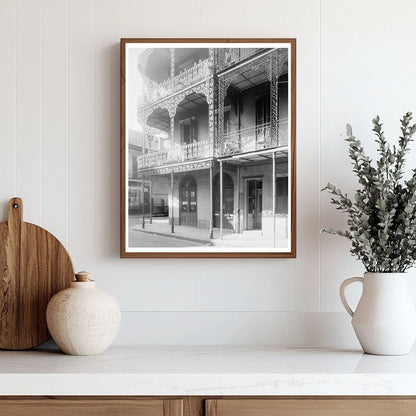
(208, 148)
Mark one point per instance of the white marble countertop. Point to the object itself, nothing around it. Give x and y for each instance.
(208, 371)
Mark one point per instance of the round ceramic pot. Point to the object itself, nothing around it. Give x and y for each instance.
(385, 318)
(83, 320)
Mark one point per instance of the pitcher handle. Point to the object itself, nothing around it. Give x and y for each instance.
(342, 288)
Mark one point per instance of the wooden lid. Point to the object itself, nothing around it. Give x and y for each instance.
(82, 277)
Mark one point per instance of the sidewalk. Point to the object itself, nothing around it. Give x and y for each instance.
(161, 227)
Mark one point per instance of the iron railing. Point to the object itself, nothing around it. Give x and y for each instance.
(152, 159)
(230, 56)
(155, 91)
(197, 150)
(179, 153)
(253, 139)
(242, 141)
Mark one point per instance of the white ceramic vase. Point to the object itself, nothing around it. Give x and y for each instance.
(385, 318)
(82, 319)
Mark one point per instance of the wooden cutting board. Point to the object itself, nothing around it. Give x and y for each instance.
(34, 266)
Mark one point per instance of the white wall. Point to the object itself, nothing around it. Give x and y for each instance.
(59, 124)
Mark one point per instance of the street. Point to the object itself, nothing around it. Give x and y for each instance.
(140, 239)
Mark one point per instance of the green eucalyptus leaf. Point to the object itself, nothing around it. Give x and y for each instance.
(382, 216)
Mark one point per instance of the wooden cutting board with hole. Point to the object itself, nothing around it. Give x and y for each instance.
(34, 266)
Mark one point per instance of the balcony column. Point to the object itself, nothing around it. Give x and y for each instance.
(212, 97)
(172, 113)
(211, 56)
(211, 115)
(172, 62)
(274, 198)
(222, 90)
(143, 214)
(211, 225)
(274, 98)
(238, 200)
(172, 131)
(143, 121)
(172, 217)
(138, 196)
(150, 200)
(221, 201)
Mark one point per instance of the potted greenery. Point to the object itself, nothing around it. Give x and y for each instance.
(382, 231)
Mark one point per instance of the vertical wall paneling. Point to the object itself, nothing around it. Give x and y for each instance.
(108, 23)
(54, 120)
(7, 104)
(367, 69)
(298, 280)
(143, 284)
(59, 132)
(265, 285)
(238, 328)
(81, 136)
(28, 107)
(304, 25)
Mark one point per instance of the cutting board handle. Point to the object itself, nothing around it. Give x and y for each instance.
(15, 214)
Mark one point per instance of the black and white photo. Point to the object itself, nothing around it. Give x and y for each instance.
(208, 146)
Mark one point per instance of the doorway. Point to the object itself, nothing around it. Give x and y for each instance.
(254, 204)
(282, 195)
(227, 202)
(188, 202)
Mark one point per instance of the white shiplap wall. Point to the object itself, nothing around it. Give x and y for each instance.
(59, 133)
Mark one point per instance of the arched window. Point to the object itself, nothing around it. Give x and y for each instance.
(188, 182)
(227, 180)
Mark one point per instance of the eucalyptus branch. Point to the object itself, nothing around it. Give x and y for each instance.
(382, 215)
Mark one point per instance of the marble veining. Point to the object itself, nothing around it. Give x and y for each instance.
(192, 370)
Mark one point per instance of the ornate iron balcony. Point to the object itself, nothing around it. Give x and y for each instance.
(156, 91)
(243, 141)
(252, 139)
(230, 56)
(179, 153)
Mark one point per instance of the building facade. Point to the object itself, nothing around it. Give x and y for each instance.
(223, 117)
(140, 189)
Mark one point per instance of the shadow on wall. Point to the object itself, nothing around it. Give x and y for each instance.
(107, 144)
(4, 209)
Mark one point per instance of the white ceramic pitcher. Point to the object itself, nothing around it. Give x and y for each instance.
(385, 318)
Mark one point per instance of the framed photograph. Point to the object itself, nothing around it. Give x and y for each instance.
(208, 135)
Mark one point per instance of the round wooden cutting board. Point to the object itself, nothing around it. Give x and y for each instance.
(34, 266)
